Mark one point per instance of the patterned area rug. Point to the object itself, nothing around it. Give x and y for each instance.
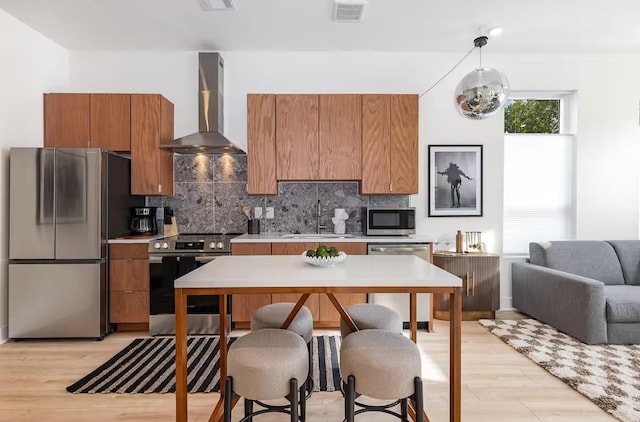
(609, 375)
(147, 365)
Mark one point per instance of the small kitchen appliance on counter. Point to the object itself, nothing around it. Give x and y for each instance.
(143, 221)
(389, 221)
(173, 257)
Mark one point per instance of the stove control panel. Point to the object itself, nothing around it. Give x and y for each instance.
(189, 246)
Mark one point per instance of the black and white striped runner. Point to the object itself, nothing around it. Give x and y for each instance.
(147, 365)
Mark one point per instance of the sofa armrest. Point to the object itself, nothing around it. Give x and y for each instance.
(571, 303)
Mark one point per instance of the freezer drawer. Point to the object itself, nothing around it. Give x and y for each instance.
(56, 300)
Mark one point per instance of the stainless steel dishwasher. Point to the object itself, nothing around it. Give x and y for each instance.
(400, 301)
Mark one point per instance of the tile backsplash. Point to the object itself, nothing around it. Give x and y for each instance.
(211, 189)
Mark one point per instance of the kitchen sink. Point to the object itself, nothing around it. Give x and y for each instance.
(316, 236)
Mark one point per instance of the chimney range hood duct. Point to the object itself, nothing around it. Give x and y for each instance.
(209, 138)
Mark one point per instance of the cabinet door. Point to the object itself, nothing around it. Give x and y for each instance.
(129, 307)
(328, 312)
(67, 120)
(165, 159)
(296, 137)
(376, 124)
(404, 144)
(145, 138)
(129, 274)
(111, 121)
(340, 137)
(261, 145)
(296, 248)
(243, 306)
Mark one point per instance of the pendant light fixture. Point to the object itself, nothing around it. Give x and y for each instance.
(483, 91)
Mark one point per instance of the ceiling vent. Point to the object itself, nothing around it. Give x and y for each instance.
(348, 10)
(213, 5)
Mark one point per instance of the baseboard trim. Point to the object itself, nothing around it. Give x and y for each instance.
(4, 334)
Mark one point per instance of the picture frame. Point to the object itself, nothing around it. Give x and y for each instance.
(455, 181)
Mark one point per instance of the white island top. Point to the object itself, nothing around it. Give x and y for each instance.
(377, 272)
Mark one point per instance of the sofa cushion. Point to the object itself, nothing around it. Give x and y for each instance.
(623, 303)
(628, 252)
(587, 258)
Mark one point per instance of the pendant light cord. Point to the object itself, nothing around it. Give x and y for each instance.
(452, 69)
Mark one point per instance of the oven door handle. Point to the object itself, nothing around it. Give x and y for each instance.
(155, 259)
(205, 259)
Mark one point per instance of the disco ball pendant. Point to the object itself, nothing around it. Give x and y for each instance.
(481, 93)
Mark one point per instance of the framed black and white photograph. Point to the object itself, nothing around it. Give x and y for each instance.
(455, 180)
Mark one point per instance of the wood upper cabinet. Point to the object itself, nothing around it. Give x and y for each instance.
(244, 305)
(389, 144)
(261, 144)
(480, 276)
(151, 125)
(111, 121)
(128, 284)
(296, 137)
(87, 120)
(340, 137)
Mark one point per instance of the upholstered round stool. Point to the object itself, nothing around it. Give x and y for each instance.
(272, 316)
(265, 365)
(368, 316)
(383, 365)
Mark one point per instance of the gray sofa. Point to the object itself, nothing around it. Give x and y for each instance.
(587, 289)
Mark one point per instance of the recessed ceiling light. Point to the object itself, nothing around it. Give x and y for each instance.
(496, 31)
(213, 5)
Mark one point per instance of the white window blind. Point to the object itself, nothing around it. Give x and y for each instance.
(538, 190)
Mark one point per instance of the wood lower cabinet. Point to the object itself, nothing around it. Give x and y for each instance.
(243, 306)
(128, 284)
(480, 274)
(389, 144)
(323, 311)
(329, 317)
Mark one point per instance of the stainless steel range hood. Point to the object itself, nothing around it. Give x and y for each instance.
(209, 138)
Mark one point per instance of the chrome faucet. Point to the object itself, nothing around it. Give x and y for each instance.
(318, 226)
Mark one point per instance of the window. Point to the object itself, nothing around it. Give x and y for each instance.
(538, 172)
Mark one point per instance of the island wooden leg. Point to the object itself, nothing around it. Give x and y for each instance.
(295, 311)
(217, 413)
(455, 355)
(413, 317)
(181, 355)
(343, 314)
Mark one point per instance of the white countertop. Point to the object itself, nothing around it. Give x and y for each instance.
(289, 271)
(131, 239)
(357, 238)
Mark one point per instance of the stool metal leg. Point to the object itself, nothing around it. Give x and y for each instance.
(404, 409)
(303, 402)
(350, 398)
(293, 384)
(228, 394)
(417, 382)
(248, 409)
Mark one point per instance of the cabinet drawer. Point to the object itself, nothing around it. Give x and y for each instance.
(129, 307)
(129, 250)
(129, 274)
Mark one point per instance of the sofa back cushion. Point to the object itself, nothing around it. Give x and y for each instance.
(628, 252)
(588, 258)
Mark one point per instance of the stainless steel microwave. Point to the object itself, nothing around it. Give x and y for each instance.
(388, 221)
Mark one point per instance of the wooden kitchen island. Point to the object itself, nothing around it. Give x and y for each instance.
(229, 275)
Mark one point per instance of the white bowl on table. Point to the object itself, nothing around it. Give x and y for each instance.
(328, 261)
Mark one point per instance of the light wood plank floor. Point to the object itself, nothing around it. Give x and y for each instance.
(499, 384)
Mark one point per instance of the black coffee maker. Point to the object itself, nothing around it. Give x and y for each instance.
(142, 221)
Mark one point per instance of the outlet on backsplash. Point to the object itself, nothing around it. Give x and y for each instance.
(269, 212)
(257, 212)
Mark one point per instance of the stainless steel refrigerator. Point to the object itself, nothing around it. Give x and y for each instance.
(64, 204)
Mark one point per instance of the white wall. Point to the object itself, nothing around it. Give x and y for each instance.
(607, 143)
(31, 65)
